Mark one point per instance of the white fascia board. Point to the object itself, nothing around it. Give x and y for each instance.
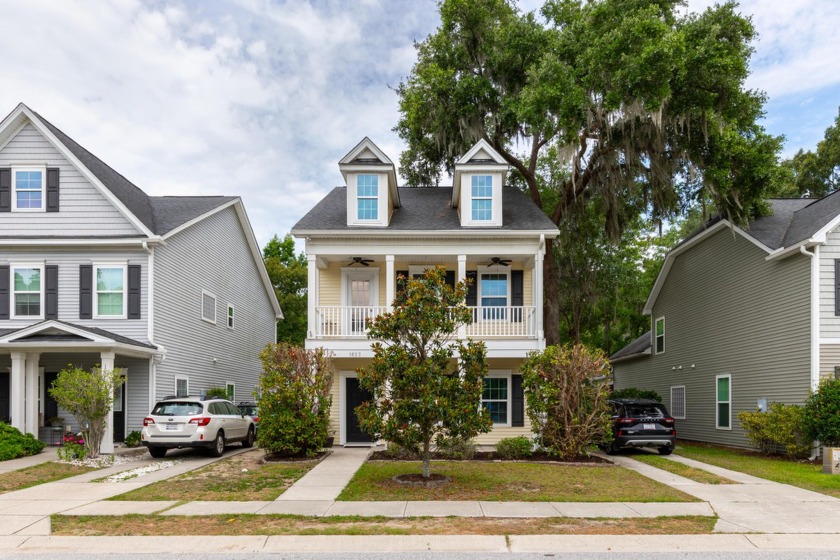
(669, 258)
(71, 241)
(445, 233)
(360, 147)
(51, 324)
(92, 179)
(478, 146)
(820, 235)
(635, 356)
(81, 346)
(785, 252)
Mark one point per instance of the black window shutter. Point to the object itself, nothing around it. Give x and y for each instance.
(837, 286)
(52, 189)
(134, 291)
(472, 289)
(450, 278)
(51, 291)
(401, 281)
(86, 291)
(517, 402)
(516, 294)
(6, 189)
(4, 292)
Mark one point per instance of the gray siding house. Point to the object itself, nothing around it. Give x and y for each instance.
(742, 317)
(172, 290)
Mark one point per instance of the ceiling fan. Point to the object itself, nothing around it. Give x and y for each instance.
(500, 261)
(361, 261)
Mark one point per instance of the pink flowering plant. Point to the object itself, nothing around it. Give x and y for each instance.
(72, 447)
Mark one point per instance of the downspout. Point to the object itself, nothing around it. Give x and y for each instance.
(150, 321)
(815, 328)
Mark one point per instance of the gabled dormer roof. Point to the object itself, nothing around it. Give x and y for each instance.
(366, 156)
(481, 157)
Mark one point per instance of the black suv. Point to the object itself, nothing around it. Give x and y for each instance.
(641, 423)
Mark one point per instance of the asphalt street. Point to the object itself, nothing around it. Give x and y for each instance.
(758, 555)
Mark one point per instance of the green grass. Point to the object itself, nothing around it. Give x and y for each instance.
(802, 475)
(39, 474)
(691, 473)
(531, 482)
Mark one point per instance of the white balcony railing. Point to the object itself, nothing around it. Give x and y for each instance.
(488, 322)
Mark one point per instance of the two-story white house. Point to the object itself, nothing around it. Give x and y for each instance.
(362, 236)
(172, 290)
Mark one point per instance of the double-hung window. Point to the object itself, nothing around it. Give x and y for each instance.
(27, 290)
(28, 189)
(482, 198)
(230, 316)
(724, 402)
(496, 398)
(660, 335)
(367, 197)
(493, 288)
(110, 298)
(182, 386)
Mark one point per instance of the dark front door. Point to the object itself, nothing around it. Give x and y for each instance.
(5, 391)
(355, 396)
(119, 413)
(50, 406)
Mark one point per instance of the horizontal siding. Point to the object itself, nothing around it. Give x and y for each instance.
(728, 311)
(829, 359)
(83, 209)
(68, 261)
(829, 321)
(211, 255)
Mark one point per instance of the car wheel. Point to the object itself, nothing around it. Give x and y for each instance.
(249, 439)
(218, 448)
(612, 449)
(157, 452)
(667, 450)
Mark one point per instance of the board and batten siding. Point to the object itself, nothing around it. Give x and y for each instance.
(68, 261)
(211, 255)
(728, 311)
(83, 209)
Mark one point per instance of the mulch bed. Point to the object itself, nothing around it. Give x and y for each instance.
(537, 457)
(279, 458)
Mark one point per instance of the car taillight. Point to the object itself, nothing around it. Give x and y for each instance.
(626, 421)
(202, 421)
(668, 421)
(257, 419)
(148, 421)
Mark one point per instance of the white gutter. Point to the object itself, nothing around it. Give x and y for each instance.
(786, 252)
(142, 241)
(815, 314)
(459, 233)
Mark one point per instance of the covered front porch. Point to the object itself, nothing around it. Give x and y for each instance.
(31, 357)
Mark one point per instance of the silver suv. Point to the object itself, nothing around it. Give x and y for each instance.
(177, 422)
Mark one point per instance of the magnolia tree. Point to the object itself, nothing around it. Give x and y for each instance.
(567, 399)
(89, 396)
(425, 386)
(294, 399)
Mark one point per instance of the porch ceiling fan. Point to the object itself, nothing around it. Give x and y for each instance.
(360, 260)
(499, 261)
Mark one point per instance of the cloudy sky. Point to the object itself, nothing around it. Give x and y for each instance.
(262, 98)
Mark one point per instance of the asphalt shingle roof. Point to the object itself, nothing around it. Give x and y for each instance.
(93, 330)
(425, 208)
(639, 347)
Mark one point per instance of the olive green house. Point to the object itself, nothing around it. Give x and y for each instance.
(740, 318)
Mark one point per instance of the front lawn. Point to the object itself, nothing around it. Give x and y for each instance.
(802, 475)
(242, 477)
(509, 481)
(697, 475)
(39, 474)
(294, 525)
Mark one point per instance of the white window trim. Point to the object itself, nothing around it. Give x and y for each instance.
(231, 384)
(467, 198)
(474, 198)
(367, 197)
(370, 273)
(215, 305)
(43, 171)
(502, 374)
(12, 266)
(685, 402)
(382, 210)
(124, 267)
(492, 269)
(230, 318)
(655, 346)
(717, 402)
(182, 378)
(118, 398)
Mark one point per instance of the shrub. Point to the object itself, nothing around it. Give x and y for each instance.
(132, 439)
(294, 399)
(821, 418)
(455, 448)
(518, 447)
(14, 444)
(72, 447)
(780, 429)
(216, 393)
(566, 393)
(634, 393)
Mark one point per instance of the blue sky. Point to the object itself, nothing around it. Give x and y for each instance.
(262, 98)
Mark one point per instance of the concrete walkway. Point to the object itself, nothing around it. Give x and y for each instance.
(45, 456)
(326, 480)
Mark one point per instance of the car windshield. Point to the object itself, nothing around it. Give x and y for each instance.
(645, 410)
(250, 410)
(174, 408)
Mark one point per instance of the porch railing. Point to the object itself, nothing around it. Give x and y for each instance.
(488, 322)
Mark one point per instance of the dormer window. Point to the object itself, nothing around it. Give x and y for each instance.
(367, 195)
(482, 198)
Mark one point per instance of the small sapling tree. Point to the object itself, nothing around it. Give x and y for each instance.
(88, 395)
(425, 385)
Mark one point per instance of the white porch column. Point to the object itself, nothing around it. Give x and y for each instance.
(390, 282)
(461, 275)
(17, 397)
(106, 362)
(31, 410)
(311, 296)
(538, 292)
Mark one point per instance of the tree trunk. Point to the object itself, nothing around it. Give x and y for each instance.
(427, 459)
(551, 292)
